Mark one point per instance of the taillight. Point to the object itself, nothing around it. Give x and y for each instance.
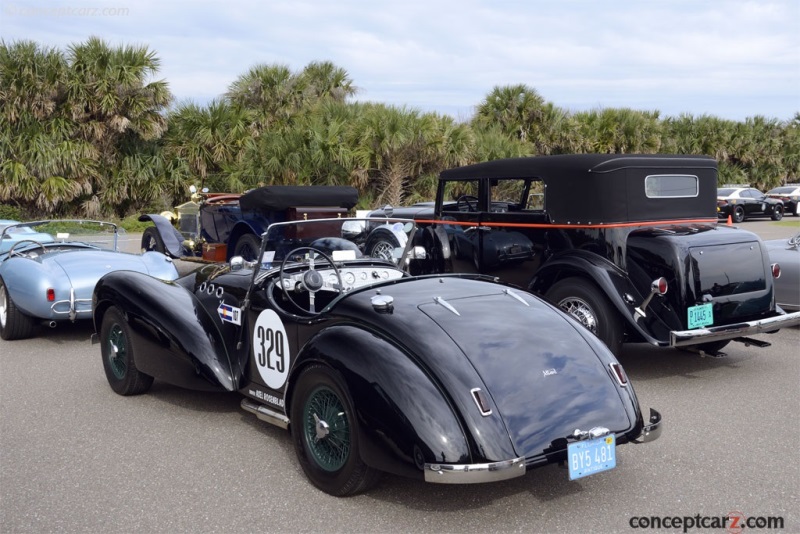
(483, 403)
(660, 286)
(619, 373)
(51, 294)
(776, 270)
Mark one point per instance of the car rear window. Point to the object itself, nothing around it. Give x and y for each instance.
(725, 192)
(671, 186)
(783, 190)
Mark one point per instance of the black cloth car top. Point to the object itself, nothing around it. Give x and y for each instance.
(606, 188)
(281, 197)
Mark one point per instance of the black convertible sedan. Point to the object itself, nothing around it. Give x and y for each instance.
(445, 378)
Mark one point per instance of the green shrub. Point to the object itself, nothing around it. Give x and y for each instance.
(11, 212)
(131, 224)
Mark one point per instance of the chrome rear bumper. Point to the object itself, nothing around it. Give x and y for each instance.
(508, 469)
(652, 430)
(474, 473)
(685, 338)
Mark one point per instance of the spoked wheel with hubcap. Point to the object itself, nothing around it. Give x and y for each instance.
(590, 307)
(381, 244)
(325, 433)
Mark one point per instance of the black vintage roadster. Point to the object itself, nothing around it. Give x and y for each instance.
(445, 378)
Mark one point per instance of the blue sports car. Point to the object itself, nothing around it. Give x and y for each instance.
(48, 270)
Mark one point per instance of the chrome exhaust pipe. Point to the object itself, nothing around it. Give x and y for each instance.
(51, 324)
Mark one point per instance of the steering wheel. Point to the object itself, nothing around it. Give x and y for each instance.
(310, 280)
(12, 252)
(467, 203)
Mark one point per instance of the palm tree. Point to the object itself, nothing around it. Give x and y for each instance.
(71, 120)
(209, 140)
(42, 165)
(272, 92)
(325, 81)
(619, 131)
(516, 109)
(118, 109)
(390, 145)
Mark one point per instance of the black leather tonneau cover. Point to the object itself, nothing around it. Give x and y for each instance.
(281, 197)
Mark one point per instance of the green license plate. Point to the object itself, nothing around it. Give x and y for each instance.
(701, 315)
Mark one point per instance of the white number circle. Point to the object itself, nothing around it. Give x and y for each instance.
(271, 349)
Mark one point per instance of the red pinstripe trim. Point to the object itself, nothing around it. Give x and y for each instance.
(530, 225)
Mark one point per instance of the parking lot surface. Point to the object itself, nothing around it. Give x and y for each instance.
(76, 457)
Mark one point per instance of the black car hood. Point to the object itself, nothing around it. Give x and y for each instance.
(545, 378)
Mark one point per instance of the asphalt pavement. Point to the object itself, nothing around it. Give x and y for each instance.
(76, 457)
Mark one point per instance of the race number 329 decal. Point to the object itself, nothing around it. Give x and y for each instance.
(271, 349)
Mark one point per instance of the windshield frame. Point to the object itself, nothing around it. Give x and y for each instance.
(368, 224)
(8, 230)
(262, 272)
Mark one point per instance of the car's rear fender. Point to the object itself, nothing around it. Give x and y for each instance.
(609, 278)
(27, 281)
(172, 343)
(405, 418)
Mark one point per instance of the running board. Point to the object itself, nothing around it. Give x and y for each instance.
(265, 414)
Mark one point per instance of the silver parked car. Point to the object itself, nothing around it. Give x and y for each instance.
(786, 253)
(48, 270)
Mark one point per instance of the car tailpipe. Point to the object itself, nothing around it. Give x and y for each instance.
(51, 324)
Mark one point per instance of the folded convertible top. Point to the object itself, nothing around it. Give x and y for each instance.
(281, 197)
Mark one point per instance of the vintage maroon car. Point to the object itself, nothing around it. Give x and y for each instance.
(218, 226)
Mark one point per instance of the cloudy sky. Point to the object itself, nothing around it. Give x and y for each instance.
(729, 58)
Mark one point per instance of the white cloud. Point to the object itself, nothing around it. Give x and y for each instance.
(730, 58)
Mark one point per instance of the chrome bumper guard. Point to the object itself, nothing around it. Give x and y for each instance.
(474, 473)
(685, 338)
